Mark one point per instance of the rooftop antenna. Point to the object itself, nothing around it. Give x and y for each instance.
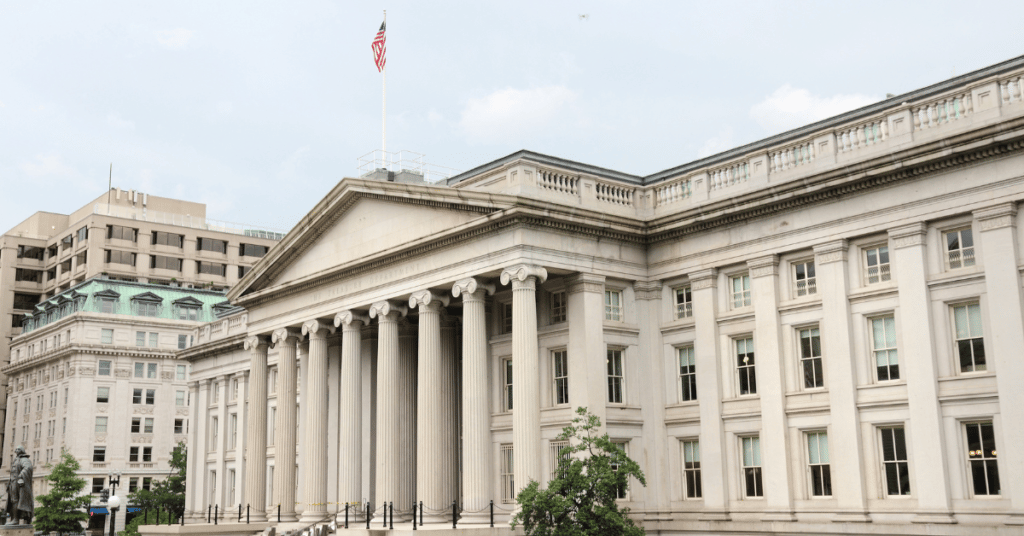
(110, 179)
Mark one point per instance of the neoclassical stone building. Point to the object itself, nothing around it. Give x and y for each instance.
(822, 327)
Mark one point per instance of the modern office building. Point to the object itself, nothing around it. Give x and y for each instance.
(127, 235)
(819, 332)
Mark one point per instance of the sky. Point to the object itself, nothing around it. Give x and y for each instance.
(259, 108)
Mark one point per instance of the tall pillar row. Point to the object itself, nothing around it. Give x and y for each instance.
(314, 462)
(256, 442)
(407, 365)
(388, 401)
(285, 341)
(350, 444)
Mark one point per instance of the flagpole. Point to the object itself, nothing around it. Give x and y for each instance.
(384, 107)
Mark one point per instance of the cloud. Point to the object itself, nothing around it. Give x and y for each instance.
(176, 39)
(116, 121)
(790, 107)
(512, 113)
(716, 144)
(49, 165)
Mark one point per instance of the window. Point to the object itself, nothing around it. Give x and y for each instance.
(687, 374)
(561, 375)
(252, 250)
(242, 270)
(180, 371)
(894, 461)
(213, 432)
(31, 276)
(810, 358)
(211, 268)
(981, 455)
(559, 307)
(179, 426)
(167, 239)
(506, 367)
(804, 280)
(622, 492)
(140, 368)
(740, 291)
(98, 483)
(133, 484)
(147, 482)
(147, 427)
(233, 438)
(818, 464)
(101, 425)
(876, 265)
(146, 308)
(506, 317)
(99, 454)
(150, 397)
(883, 337)
(752, 467)
(959, 248)
(154, 342)
(83, 234)
(684, 303)
(107, 336)
(122, 233)
(613, 305)
(133, 454)
(136, 425)
(119, 257)
(970, 345)
(182, 343)
(165, 263)
(209, 244)
(231, 486)
(556, 456)
(745, 366)
(691, 469)
(151, 367)
(107, 305)
(179, 398)
(136, 396)
(140, 340)
(508, 488)
(30, 252)
(186, 312)
(104, 368)
(615, 383)
(103, 395)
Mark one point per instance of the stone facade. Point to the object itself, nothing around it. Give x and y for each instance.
(821, 327)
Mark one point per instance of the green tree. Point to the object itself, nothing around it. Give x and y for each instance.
(166, 496)
(63, 510)
(580, 501)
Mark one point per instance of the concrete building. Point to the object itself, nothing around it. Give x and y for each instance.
(815, 333)
(130, 236)
(95, 372)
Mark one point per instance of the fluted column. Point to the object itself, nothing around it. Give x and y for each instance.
(407, 365)
(388, 387)
(256, 442)
(284, 431)
(350, 446)
(525, 373)
(433, 425)
(477, 481)
(314, 462)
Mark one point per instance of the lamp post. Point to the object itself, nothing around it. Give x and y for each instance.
(114, 501)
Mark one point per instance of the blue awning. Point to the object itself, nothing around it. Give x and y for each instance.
(134, 508)
(98, 510)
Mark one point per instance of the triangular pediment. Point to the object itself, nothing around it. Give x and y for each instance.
(147, 296)
(362, 219)
(188, 301)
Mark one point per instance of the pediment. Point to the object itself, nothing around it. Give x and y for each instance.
(147, 296)
(188, 301)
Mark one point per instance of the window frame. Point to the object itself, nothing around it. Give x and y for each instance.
(756, 475)
(614, 308)
(970, 338)
(104, 339)
(559, 382)
(743, 297)
(896, 462)
(507, 385)
(684, 307)
(616, 382)
(808, 284)
(884, 274)
(888, 349)
(743, 369)
(559, 307)
(817, 362)
(693, 489)
(966, 255)
(622, 494)
(972, 484)
(99, 389)
(687, 379)
(819, 473)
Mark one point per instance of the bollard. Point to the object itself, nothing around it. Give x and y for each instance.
(157, 515)
(453, 514)
(492, 513)
(239, 512)
(279, 513)
(392, 527)
(216, 513)
(384, 524)
(346, 515)
(209, 510)
(414, 515)
(421, 515)
(247, 514)
(182, 518)
(367, 515)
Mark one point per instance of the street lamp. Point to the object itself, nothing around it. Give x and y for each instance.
(113, 503)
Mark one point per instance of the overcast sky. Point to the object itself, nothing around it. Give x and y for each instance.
(257, 109)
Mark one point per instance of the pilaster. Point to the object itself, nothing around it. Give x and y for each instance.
(587, 352)
(652, 401)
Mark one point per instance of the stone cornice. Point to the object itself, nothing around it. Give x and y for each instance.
(997, 217)
(908, 235)
(91, 349)
(833, 251)
(584, 282)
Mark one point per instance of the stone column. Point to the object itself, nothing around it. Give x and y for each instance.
(477, 480)
(709, 395)
(844, 438)
(916, 354)
(764, 278)
(388, 397)
(314, 463)
(301, 379)
(407, 365)
(525, 373)
(434, 426)
(1003, 294)
(285, 439)
(587, 351)
(256, 442)
(193, 467)
(350, 446)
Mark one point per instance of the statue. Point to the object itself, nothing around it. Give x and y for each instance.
(20, 500)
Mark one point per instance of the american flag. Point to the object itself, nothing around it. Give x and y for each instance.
(379, 49)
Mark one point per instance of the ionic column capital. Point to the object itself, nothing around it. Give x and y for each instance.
(427, 300)
(469, 287)
(763, 266)
(833, 251)
(350, 321)
(285, 336)
(522, 273)
(908, 235)
(317, 329)
(253, 342)
(997, 217)
(388, 310)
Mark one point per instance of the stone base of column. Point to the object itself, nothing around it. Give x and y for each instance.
(778, 516)
(1014, 520)
(852, 517)
(315, 517)
(944, 518)
(482, 518)
(286, 517)
(254, 517)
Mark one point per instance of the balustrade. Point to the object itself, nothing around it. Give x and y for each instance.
(611, 193)
(727, 176)
(863, 135)
(668, 193)
(558, 182)
(1011, 90)
(791, 157)
(939, 112)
